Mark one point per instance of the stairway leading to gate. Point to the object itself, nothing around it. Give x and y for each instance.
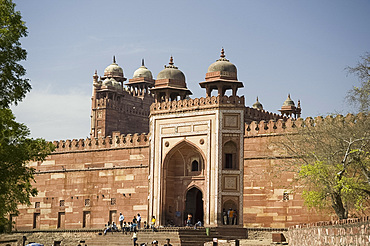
(178, 236)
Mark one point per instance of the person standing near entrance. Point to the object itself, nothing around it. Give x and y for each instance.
(138, 221)
(230, 214)
(188, 221)
(152, 225)
(224, 217)
(121, 219)
(234, 217)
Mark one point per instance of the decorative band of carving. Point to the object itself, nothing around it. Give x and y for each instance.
(120, 141)
(287, 125)
(190, 104)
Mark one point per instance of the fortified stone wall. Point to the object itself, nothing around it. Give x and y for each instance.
(342, 232)
(268, 200)
(126, 112)
(85, 183)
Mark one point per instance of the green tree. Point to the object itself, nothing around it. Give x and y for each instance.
(16, 148)
(332, 161)
(360, 96)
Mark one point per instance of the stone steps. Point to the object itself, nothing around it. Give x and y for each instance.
(121, 239)
(186, 237)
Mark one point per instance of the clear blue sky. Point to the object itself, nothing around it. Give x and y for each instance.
(279, 47)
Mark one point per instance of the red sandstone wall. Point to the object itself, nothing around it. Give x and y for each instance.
(77, 172)
(264, 205)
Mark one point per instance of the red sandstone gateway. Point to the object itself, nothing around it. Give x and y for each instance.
(177, 156)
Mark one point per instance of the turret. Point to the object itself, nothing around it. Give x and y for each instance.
(170, 84)
(222, 76)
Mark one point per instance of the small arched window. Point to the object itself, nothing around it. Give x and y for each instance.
(195, 166)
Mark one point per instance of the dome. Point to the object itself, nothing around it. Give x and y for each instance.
(113, 70)
(258, 105)
(116, 84)
(111, 82)
(143, 72)
(222, 64)
(171, 72)
(107, 82)
(288, 102)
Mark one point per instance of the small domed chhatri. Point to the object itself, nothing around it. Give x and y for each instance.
(141, 80)
(288, 101)
(170, 84)
(223, 65)
(257, 105)
(221, 76)
(142, 72)
(171, 72)
(289, 108)
(114, 71)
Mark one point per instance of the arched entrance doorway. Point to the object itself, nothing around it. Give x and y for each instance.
(183, 167)
(194, 205)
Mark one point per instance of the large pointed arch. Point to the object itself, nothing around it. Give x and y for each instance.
(178, 177)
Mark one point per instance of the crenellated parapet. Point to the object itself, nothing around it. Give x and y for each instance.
(121, 107)
(253, 114)
(287, 125)
(197, 103)
(117, 141)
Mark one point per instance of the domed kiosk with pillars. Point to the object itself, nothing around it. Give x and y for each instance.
(170, 84)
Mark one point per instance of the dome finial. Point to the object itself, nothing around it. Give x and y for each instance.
(257, 98)
(114, 59)
(142, 62)
(171, 60)
(95, 76)
(222, 53)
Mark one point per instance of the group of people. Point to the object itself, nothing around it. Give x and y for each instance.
(229, 217)
(133, 227)
(125, 227)
(110, 227)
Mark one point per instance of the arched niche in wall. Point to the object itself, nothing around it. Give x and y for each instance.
(230, 156)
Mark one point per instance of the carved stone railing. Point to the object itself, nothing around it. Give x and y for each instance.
(117, 141)
(287, 125)
(197, 103)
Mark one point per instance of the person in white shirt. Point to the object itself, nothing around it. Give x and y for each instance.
(121, 219)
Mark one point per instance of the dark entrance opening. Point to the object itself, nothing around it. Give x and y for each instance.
(194, 205)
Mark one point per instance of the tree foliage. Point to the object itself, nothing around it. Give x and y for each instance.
(13, 87)
(360, 96)
(16, 148)
(332, 161)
